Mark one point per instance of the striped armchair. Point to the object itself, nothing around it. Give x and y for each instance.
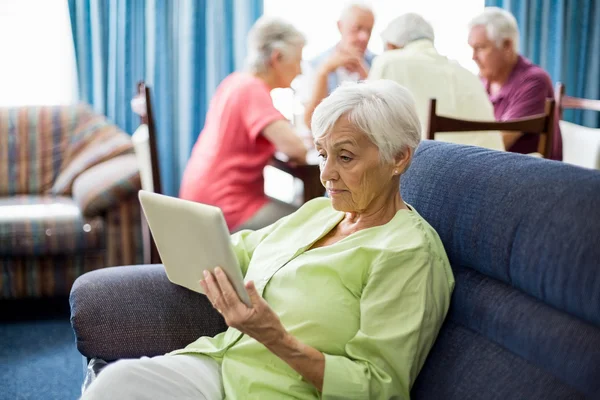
(68, 199)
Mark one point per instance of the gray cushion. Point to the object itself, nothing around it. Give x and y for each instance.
(134, 311)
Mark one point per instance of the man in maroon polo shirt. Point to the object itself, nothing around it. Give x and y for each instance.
(516, 87)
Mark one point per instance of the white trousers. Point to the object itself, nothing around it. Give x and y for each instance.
(181, 376)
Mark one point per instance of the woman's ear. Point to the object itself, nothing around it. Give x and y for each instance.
(402, 160)
(276, 57)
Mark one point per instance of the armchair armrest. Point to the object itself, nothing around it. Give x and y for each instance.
(134, 311)
(106, 184)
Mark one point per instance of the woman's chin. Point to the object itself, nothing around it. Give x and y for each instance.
(339, 205)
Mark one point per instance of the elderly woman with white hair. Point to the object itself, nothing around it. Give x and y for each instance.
(348, 293)
(516, 87)
(243, 130)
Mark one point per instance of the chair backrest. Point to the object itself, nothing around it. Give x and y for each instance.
(563, 101)
(542, 124)
(146, 148)
(145, 136)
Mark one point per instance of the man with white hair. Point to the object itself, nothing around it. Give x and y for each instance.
(516, 87)
(348, 60)
(412, 60)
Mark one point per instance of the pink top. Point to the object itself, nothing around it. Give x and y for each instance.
(227, 162)
(524, 94)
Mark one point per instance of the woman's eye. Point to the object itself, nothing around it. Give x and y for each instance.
(322, 156)
(345, 158)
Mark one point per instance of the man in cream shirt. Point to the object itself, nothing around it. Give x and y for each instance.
(412, 60)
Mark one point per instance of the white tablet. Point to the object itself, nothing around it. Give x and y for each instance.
(190, 238)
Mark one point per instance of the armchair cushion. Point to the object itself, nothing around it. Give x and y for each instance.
(106, 184)
(46, 225)
(95, 140)
(32, 143)
(134, 311)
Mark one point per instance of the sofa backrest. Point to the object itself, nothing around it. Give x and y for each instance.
(40, 145)
(523, 237)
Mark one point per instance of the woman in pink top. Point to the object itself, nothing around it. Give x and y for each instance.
(243, 130)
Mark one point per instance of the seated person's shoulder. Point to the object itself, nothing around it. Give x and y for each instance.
(534, 77)
(414, 251)
(248, 82)
(412, 238)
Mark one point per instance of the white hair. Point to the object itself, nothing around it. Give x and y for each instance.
(352, 5)
(499, 25)
(267, 35)
(407, 28)
(381, 109)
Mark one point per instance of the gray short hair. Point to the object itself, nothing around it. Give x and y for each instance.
(382, 109)
(499, 25)
(351, 5)
(267, 35)
(407, 28)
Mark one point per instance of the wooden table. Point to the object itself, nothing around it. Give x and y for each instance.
(309, 174)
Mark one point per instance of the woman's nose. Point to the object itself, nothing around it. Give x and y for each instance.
(328, 171)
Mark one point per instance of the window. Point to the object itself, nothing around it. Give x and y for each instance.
(38, 62)
(317, 20)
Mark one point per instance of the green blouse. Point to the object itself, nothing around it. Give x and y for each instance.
(372, 303)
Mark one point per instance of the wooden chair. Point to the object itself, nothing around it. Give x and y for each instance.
(542, 124)
(146, 149)
(563, 101)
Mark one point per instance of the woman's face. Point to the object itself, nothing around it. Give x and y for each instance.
(287, 67)
(351, 169)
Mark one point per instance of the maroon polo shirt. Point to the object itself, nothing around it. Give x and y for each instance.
(524, 94)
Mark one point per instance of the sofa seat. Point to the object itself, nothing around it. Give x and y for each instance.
(46, 225)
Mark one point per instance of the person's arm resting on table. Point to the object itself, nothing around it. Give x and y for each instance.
(284, 138)
(530, 99)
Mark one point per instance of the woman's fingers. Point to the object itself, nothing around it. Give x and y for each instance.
(213, 291)
(229, 294)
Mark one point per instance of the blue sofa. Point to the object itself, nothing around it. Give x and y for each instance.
(523, 237)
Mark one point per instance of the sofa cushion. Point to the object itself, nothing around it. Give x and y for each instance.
(32, 143)
(106, 185)
(45, 225)
(530, 223)
(94, 140)
(464, 365)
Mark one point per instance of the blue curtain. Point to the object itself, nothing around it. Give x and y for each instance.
(181, 48)
(563, 37)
